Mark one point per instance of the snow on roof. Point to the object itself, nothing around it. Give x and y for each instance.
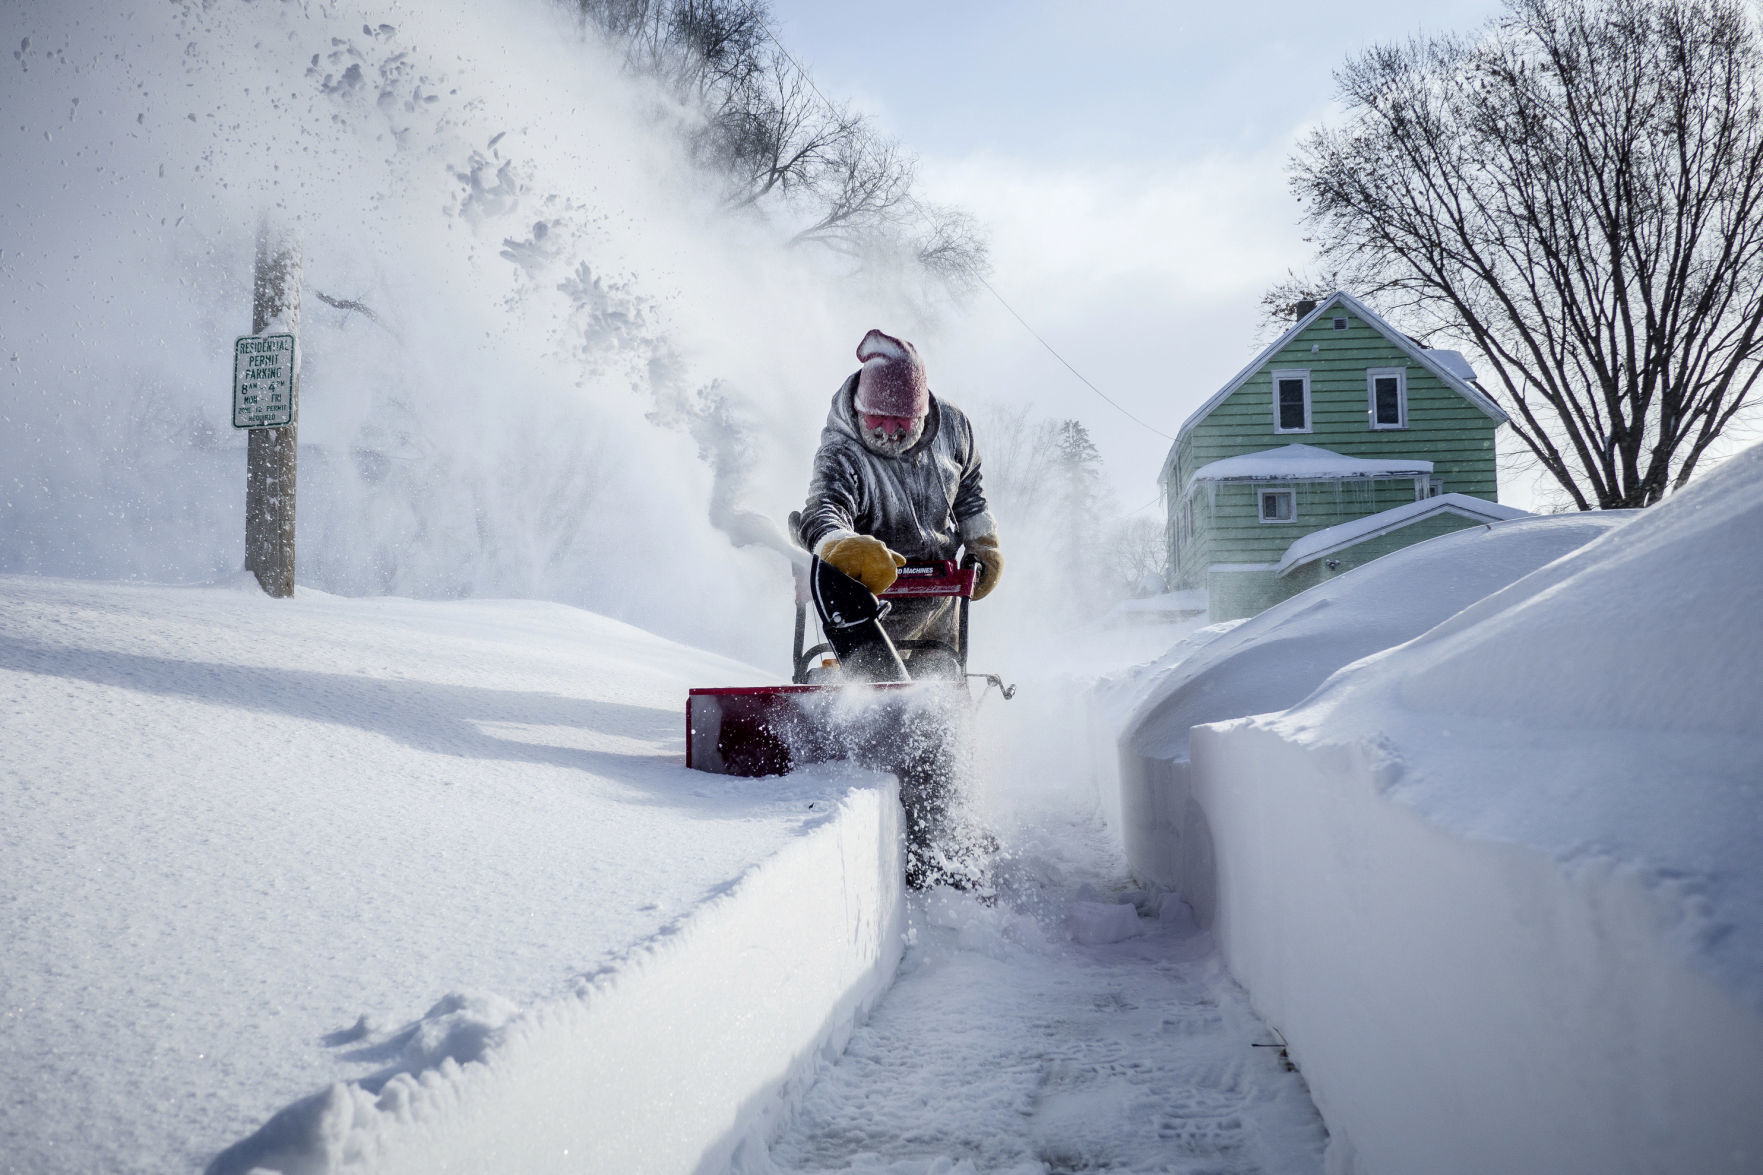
(1307, 461)
(1453, 362)
(1433, 361)
(1337, 538)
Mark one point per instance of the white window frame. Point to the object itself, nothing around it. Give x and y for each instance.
(1261, 495)
(1372, 375)
(1302, 373)
(1339, 323)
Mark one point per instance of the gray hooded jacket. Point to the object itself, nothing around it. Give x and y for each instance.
(923, 503)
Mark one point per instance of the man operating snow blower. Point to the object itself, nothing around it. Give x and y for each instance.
(902, 542)
(896, 483)
(897, 480)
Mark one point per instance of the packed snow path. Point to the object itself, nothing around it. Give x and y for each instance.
(1005, 1047)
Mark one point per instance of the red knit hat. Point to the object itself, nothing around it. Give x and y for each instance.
(892, 382)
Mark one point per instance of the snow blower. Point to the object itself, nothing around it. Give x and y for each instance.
(853, 696)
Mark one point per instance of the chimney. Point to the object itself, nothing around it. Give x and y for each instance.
(1302, 309)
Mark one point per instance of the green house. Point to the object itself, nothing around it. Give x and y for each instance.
(1343, 441)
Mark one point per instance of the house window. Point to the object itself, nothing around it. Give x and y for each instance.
(1278, 506)
(1386, 390)
(1340, 324)
(1291, 401)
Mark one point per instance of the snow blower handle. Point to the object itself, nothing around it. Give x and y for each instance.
(851, 616)
(940, 578)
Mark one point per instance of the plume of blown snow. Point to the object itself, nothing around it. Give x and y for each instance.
(538, 359)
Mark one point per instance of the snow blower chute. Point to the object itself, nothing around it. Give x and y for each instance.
(853, 696)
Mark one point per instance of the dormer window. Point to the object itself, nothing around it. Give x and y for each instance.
(1291, 401)
(1386, 389)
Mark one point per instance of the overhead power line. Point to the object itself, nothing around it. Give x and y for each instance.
(1055, 354)
(918, 208)
(1153, 502)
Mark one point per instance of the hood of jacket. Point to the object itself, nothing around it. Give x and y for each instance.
(923, 502)
(842, 417)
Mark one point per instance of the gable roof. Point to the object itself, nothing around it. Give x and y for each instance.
(1330, 539)
(1448, 370)
(1306, 461)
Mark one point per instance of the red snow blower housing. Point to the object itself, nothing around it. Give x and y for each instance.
(854, 696)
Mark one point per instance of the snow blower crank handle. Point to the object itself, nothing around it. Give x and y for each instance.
(991, 679)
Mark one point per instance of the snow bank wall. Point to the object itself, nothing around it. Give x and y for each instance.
(1496, 877)
(1273, 660)
(669, 1061)
(1460, 1005)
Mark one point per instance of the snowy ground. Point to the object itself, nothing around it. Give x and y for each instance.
(337, 885)
(250, 844)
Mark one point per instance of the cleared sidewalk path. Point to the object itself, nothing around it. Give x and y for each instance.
(1005, 1047)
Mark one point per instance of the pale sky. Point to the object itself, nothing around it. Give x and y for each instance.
(1128, 158)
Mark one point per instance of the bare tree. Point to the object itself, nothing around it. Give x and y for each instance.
(639, 24)
(952, 246)
(780, 145)
(1577, 194)
(774, 134)
(1136, 554)
(1019, 462)
(701, 48)
(861, 192)
(1282, 301)
(723, 42)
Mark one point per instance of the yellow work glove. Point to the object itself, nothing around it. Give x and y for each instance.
(865, 559)
(991, 563)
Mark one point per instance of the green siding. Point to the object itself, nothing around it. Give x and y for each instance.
(1442, 427)
(1232, 594)
(1239, 536)
(1235, 593)
(1317, 570)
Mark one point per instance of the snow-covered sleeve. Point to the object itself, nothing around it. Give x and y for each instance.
(835, 490)
(971, 512)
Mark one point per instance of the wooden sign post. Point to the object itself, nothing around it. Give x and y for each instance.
(266, 400)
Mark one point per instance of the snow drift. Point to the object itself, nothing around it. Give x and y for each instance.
(418, 872)
(1499, 886)
(671, 1059)
(1273, 660)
